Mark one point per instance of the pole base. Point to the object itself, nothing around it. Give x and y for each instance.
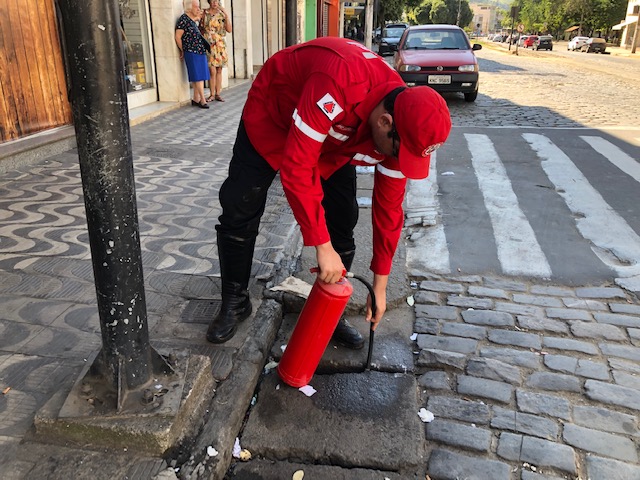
(152, 418)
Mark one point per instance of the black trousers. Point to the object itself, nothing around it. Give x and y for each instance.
(243, 197)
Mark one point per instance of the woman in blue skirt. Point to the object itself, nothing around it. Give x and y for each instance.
(193, 48)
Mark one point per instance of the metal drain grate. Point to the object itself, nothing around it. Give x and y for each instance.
(200, 311)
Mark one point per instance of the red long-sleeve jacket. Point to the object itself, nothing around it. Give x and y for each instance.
(307, 114)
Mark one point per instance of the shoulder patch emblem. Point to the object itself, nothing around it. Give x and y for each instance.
(329, 106)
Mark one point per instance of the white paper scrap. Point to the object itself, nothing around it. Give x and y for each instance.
(212, 452)
(425, 415)
(447, 174)
(411, 301)
(308, 390)
(236, 448)
(413, 336)
(298, 475)
(270, 365)
(293, 285)
(283, 347)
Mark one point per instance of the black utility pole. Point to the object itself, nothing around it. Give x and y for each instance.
(93, 45)
(291, 21)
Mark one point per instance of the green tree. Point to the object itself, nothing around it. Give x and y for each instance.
(452, 12)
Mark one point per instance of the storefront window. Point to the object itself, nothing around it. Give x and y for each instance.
(135, 38)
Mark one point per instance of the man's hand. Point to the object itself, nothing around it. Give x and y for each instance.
(380, 291)
(329, 262)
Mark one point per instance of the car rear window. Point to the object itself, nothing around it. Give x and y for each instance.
(597, 40)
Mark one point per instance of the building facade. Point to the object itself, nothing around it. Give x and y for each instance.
(485, 16)
(33, 80)
(629, 24)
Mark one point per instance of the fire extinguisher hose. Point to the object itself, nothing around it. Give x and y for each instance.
(372, 295)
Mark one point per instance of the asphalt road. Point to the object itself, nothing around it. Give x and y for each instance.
(539, 174)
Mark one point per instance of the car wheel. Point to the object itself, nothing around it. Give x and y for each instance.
(471, 97)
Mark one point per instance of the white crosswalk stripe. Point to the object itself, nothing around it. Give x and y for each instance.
(617, 244)
(566, 217)
(518, 250)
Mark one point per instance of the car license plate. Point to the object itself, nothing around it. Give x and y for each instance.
(440, 79)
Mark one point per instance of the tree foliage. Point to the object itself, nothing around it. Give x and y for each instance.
(555, 16)
(453, 12)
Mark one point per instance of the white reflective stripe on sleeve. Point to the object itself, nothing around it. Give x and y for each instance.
(389, 173)
(338, 136)
(306, 129)
(366, 158)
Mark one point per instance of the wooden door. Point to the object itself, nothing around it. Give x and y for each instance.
(33, 91)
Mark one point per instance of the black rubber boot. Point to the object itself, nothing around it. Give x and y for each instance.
(345, 334)
(236, 255)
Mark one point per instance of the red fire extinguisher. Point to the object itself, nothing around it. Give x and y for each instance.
(310, 337)
(316, 324)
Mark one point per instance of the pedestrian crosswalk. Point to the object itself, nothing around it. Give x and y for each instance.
(559, 205)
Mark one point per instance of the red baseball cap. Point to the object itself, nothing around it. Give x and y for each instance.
(423, 124)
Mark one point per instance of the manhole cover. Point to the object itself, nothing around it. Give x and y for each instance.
(200, 311)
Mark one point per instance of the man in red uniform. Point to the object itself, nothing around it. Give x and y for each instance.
(315, 111)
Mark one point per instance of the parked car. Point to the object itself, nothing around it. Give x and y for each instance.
(595, 45)
(576, 42)
(544, 42)
(529, 41)
(522, 39)
(439, 56)
(390, 37)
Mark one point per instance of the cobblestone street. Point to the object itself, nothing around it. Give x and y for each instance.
(544, 89)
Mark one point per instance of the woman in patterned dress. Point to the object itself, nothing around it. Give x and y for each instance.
(192, 49)
(215, 24)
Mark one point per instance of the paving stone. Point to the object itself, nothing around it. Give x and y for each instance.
(451, 344)
(539, 300)
(625, 308)
(553, 381)
(601, 418)
(516, 339)
(509, 446)
(608, 469)
(584, 304)
(517, 309)
(520, 358)
(612, 394)
(603, 443)
(597, 330)
(617, 319)
(439, 358)
(634, 333)
(435, 381)
(423, 297)
(446, 287)
(447, 465)
(543, 453)
(464, 278)
(524, 423)
(464, 330)
(569, 344)
(459, 435)
(488, 292)
(436, 311)
(577, 366)
(551, 290)
(568, 314)
(481, 387)
(541, 323)
(459, 409)
(561, 363)
(469, 302)
(505, 284)
(600, 292)
(630, 353)
(358, 414)
(539, 403)
(427, 325)
(494, 369)
(620, 364)
(627, 380)
(489, 318)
